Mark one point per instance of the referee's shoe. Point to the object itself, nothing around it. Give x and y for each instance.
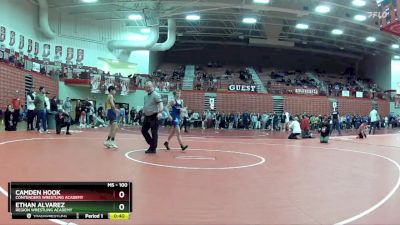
(150, 151)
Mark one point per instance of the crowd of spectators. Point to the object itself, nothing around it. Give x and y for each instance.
(277, 122)
(284, 82)
(215, 76)
(163, 80)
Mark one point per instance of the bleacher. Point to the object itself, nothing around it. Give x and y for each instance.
(222, 79)
(171, 73)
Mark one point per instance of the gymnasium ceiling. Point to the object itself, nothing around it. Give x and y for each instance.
(221, 23)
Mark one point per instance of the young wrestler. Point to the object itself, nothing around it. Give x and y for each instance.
(176, 105)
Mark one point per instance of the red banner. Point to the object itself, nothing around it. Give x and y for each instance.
(36, 48)
(70, 54)
(21, 41)
(58, 51)
(46, 50)
(80, 55)
(12, 38)
(396, 101)
(2, 33)
(29, 45)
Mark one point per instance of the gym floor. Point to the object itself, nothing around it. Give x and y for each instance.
(225, 177)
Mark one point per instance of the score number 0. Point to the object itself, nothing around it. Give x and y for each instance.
(121, 194)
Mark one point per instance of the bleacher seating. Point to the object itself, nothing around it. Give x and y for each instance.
(12, 79)
(221, 79)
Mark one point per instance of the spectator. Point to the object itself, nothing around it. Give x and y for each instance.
(40, 101)
(373, 115)
(195, 119)
(283, 121)
(78, 110)
(47, 102)
(8, 119)
(16, 104)
(324, 131)
(91, 114)
(53, 104)
(122, 115)
(62, 120)
(67, 106)
(126, 114)
(295, 128)
(305, 127)
(30, 103)
(1, 117)
(132, 114)
(335, 121)
(361, 130)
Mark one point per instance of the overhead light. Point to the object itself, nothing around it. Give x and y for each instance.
(89, 1)
(322, 9)
(358, 3)
(137, 37)
(371, 39)
(249, 20)
(135, 17)
(115, 61)
(302, 26)
(193, 17)
(145, 30)
(131, 66)
(396, 57)
(337, 32)
(395, 46)
(261, 1)
(360, 17)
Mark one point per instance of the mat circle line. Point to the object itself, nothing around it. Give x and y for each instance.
(261, 160)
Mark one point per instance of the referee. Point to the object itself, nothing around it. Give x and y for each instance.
(152, 111)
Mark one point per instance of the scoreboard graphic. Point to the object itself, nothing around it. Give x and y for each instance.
(70, 200)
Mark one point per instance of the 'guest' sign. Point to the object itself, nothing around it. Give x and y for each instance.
(234, 87)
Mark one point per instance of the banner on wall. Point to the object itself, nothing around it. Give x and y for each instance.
(36, 48)
(346, 93)
(46, 50)
(70, 54)
(2, 33)
(109, 81)
(396, 99)
(359, 94)
(124, 82)
(95, 81)
(36, 67)
(12, 38)
(21, 42)
(29, 45)
(80, 55)
(212, 103)
(334, 106)
(58, 51)
(306, 91)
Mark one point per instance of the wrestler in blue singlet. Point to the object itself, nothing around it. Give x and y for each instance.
(176, 113)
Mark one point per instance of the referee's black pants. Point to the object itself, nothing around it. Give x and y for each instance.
(151, 122)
